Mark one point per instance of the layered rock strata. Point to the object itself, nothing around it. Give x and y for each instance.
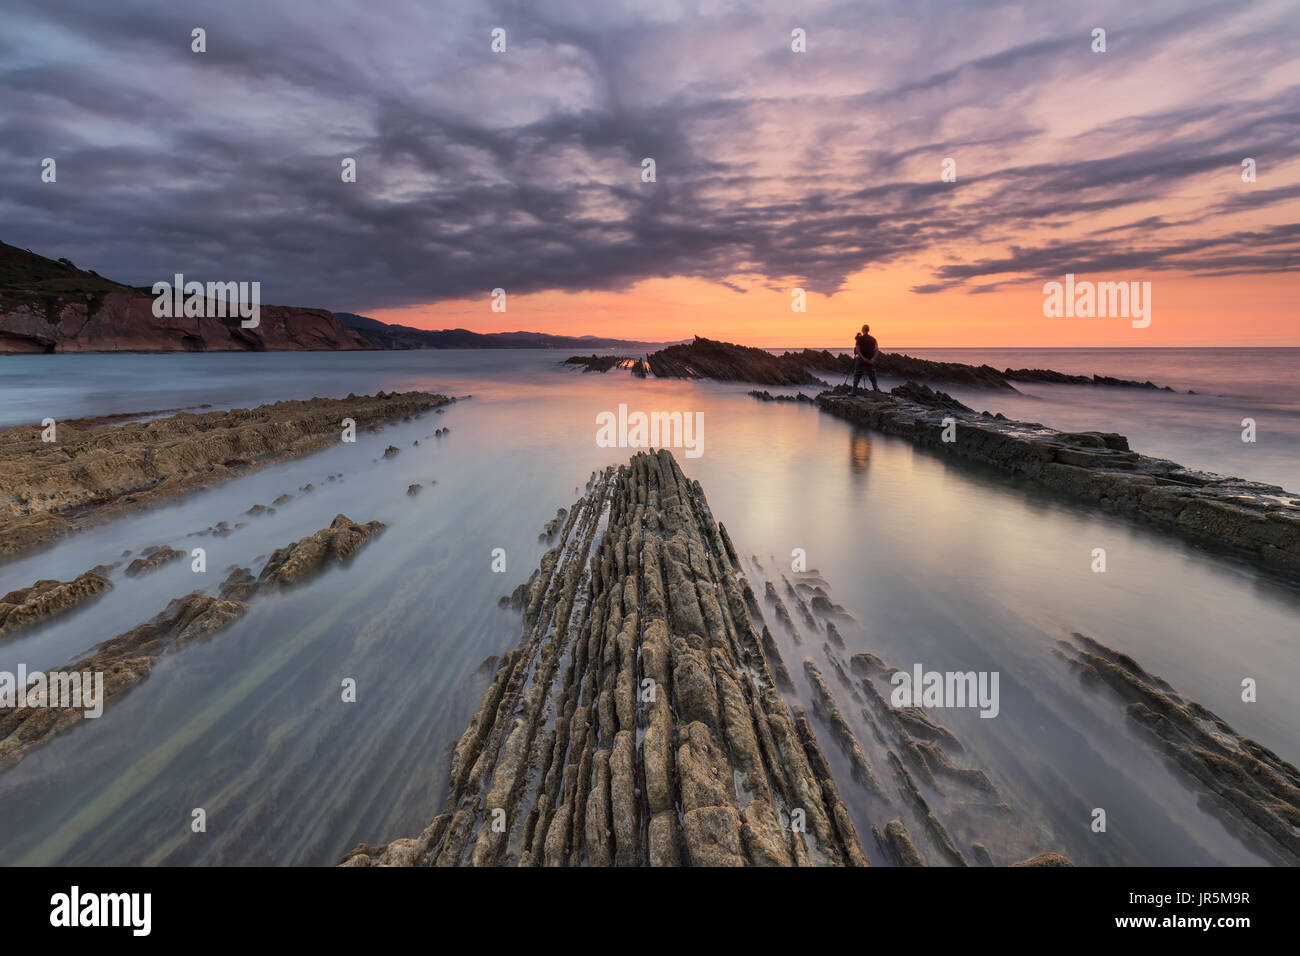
(638, 721)
(90, 474)
(724, 361)
(1255, 521)
(127, 659)
(52, 306)
(46, 599)
(1253, 791)
(941, 809)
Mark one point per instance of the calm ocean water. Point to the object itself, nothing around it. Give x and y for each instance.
(1200, 431)
(939, 564)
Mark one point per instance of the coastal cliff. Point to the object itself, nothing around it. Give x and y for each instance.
(52, 306)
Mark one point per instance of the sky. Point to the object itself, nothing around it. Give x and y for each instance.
(774, 170)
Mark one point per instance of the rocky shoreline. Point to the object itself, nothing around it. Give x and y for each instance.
(603, 363)
(726, 362)
(93, 473)
(1253, 791)
(639, 722)
(127, 659)
(46, 599)
(1251, 520)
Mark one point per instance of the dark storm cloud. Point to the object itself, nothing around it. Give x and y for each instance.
(522, 170)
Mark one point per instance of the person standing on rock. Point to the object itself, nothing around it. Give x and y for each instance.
(865, 350)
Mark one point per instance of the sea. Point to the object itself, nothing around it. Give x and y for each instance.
(936, 563)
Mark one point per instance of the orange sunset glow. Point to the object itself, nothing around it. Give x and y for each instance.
(1186, 312)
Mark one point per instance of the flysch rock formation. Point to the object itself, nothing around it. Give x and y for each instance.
(153, 558)
(637, 722)
(641, 720)
(46, 599)
(127, 659)
(901, 365)
(1250, 788)
(939, 808)
(1255, 521)
(600, 363)
(724, 361)
(87, 475)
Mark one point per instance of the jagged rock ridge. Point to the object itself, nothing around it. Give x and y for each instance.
(637, 722)
(93, 473)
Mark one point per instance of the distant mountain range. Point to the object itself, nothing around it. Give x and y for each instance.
(386, 336)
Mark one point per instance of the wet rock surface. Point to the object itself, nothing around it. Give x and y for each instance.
(599, 363)
(46, 599)
(899, 365)
(766, 396)
(153, 558)
(1061, 378)
(307, 557)
(723, 361)
(98, 472)
(1253, 791)
(896, 763)
(127, 659)
(638, 722)
(905, 366)
(1255, 521)
(124, 661)
(643, 719)
(706, 358)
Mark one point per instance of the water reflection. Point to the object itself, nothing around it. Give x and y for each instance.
(936, 561)
(859, 451)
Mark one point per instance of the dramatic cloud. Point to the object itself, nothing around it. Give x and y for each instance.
(522, 169)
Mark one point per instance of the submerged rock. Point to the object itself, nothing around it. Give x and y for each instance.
(151, 559)
(100, 471)
(766, 396)
(1255, 521)
(307, 557)
(638, 721)
(1253, 791)
(597, 363)
(123, 662)
(1046, 859)
(127, 659)
(47, 599)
